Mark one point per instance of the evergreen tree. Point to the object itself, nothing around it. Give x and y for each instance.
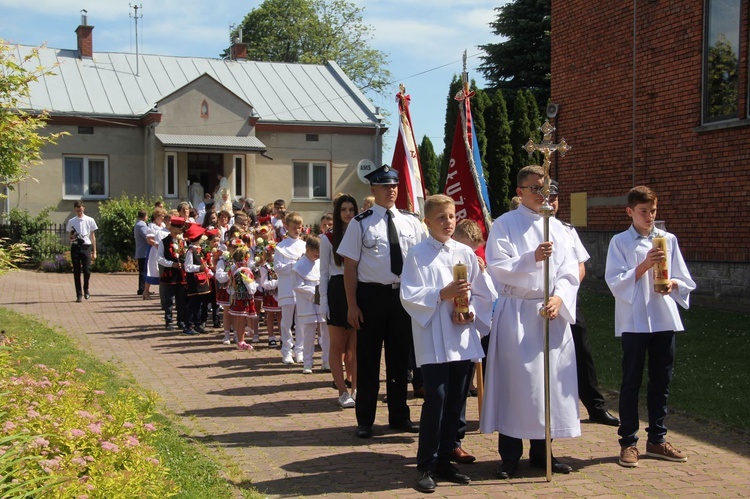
(480, 103)
(451, 113)
(430, 167)
(522, 60)
(499, 154)
(520, 132)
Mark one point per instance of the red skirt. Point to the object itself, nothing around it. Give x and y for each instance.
(270, 304)
(222, 296)
(243, 308)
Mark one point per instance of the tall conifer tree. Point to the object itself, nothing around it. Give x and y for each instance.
(499, 154)
(430, 166)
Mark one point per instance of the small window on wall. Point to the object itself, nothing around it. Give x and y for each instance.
(239, 176)
(170, 175)
(311, 180)
(85, 177)
(721, 60)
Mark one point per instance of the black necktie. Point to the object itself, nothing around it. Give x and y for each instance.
(397, 260)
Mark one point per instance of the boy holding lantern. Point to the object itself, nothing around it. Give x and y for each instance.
(442, 291)
(646, 320)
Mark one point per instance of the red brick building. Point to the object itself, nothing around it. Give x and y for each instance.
(656, 93)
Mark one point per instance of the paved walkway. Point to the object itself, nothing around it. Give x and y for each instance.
(289, 437)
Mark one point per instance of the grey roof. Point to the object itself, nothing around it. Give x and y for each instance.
(212, 142)
(107, 85)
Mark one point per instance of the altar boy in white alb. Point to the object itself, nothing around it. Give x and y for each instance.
(445, 342)
(514, 384)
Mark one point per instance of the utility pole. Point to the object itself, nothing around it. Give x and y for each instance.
(136, 17)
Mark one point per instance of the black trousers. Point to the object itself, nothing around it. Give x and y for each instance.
(80, 256)
(588, 385)
(385, 323)
(445, 387)
(511, 449)
(142, 266)
(660, 348)
(177, 294)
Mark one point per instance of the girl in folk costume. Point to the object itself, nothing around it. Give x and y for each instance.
(197, 278)
(212, 253)
(269, 283)
(248, 238)
(242, 287)
(221, 274)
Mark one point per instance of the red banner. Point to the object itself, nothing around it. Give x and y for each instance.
(406, 160)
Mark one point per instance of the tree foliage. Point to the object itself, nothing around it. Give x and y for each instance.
(722, 80)
(314, 32)
(20, 140)
(499, 154)
(522, 60)
(430, 166)
(522, 128)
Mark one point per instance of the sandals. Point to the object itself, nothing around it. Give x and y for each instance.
(244, 346)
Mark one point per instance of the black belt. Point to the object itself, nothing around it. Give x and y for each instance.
(395, 285)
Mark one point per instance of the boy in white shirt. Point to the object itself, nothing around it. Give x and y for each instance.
(646, 321)
(446, 342)
(286, 255)
(306, 278)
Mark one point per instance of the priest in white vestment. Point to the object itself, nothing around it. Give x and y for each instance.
(514, 383)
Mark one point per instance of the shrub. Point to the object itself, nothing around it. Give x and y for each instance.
(11, 255)
(117, 218)
(102, 451)
(61, 263)
(108, 262)
(36, 232)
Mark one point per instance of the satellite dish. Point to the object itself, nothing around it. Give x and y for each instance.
(364, 168)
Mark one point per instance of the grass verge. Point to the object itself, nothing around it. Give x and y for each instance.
(710, 375)
(197, 475)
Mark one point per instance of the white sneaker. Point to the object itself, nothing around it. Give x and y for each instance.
(346, 401)
(227, 339)
(299, 358)
(307, 370)
(287, 359)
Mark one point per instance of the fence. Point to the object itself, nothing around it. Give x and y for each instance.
(44, 242)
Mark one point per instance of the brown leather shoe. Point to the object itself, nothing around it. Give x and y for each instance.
(458, 455)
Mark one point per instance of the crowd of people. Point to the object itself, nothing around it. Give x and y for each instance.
(438, 299)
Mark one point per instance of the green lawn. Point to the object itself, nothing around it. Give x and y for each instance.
(197, 475)
(711, 377)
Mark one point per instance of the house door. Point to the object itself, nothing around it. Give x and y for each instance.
(204, 167)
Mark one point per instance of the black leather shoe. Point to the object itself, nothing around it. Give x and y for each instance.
(425, 483)
(406, 426)
(603, 416)
(557, 466)
(507, 470)
(450, 473)
(78, 299)
(87, 296)
(364, 431)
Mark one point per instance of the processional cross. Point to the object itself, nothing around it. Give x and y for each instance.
(547, 148)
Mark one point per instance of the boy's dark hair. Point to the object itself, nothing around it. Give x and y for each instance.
(641, 194)
(327, 216)
(142, 214)
(78, 204)
(527, 171)
(312, 243)
(279, 202)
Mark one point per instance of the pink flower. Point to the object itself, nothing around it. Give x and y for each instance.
(79, 461)
(85, 414)
(110, 446)
(79, 370)
(95, 428)
(40, 442)
(76, 433)
(131, 441)
(127, 424)
(9, 426)
(99, 392)
(31, 414)
(154, 461)
(149, 427)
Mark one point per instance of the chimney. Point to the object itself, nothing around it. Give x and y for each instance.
(238, 51)
(85, 38)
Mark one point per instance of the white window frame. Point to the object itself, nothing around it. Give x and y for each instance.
(310, 187)
(85, 187)
(175, 187)
(239, 178)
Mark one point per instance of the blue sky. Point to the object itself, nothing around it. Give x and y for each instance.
(424, 39)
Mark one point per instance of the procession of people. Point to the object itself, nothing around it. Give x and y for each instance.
(388, 280)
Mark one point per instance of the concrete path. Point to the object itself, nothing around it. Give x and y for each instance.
(289, 437)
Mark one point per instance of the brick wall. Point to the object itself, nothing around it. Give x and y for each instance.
(702, 177)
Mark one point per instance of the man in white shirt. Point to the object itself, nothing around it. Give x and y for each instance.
(82, 231)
